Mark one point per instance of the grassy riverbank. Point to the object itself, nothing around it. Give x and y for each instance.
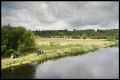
(58, 47)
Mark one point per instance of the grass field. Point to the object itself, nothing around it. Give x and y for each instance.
(58, 47)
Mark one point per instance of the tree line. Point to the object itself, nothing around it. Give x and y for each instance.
(78, 34)
(21, 40)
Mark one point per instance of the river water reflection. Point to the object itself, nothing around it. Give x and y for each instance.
(103, 63)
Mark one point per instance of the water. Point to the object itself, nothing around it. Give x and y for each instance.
(103, 63)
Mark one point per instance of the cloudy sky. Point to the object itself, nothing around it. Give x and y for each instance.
(61, 15)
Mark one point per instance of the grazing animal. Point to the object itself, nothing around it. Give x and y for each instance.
(12, 56)
(11, 52)
(39, 52)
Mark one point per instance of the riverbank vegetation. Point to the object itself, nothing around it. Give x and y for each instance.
(16, 39)
(56, 48)
(26, 43)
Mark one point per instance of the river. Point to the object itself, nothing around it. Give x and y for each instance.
(100, 64)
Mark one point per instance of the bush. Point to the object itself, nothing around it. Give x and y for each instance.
(16, 38)
(3, 49)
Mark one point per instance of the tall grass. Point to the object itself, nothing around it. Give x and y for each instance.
(57, 48)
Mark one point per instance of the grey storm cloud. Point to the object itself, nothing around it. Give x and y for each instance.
(63, 14)
(86, 13)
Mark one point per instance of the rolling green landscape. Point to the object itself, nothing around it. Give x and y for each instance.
(25, 43)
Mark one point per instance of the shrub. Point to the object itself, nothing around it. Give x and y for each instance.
(16, 38)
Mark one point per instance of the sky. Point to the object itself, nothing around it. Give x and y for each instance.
(55, 15)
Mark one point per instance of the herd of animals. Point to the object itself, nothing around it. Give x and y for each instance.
(13, 54)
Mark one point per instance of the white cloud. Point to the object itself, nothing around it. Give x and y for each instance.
(61, 15)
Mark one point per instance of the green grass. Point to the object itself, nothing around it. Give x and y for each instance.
(55, 48)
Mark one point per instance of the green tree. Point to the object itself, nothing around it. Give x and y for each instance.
(84, 36)
(17, 38)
